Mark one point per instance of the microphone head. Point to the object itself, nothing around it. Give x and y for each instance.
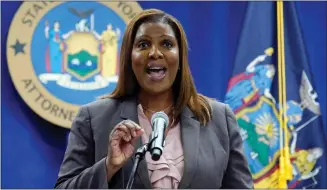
(159, 122)
(159, 115)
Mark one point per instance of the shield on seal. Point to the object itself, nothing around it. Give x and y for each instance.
(82, 55)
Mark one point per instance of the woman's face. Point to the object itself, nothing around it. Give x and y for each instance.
(155, 57)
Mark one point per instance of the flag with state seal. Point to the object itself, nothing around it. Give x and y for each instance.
(272, 94)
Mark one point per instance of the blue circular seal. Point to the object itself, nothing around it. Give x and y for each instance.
(75, 50)
(62, 55)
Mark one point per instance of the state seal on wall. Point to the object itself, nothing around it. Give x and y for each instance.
(62, 55)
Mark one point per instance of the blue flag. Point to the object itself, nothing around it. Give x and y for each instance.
(252, 93)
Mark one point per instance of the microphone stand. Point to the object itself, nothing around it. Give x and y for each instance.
(139, 155)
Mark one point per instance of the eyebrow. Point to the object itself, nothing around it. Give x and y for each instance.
(147, 36)
(167, 36)
(142, 36)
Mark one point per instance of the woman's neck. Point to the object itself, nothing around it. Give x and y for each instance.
(157, 102)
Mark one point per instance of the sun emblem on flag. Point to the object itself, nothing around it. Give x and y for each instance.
(266, 127)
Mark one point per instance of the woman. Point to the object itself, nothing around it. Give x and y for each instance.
(203, 146)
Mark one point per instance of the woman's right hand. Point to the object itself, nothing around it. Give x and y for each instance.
(121, 147)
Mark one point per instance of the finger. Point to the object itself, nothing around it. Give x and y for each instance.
(120, 134)
(114, 135)
(114, 146)
(115, 143)
(130, 122)
(132, 128)
(129, 127)
(122, 126)
(138, 134)
(125, 136)
(115, 149)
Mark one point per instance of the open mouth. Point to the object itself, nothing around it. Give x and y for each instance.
(150, 70)
(156, 73)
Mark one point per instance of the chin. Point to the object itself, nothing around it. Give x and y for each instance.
(156, 89)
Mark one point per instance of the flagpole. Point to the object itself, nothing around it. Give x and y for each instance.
(282, 176)
(288, 165)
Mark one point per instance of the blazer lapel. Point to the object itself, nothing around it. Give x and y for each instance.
(190, 139)
(129, 111)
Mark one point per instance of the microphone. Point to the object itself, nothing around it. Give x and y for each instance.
(159, 122)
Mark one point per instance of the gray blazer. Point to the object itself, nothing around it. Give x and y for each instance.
(213, 153)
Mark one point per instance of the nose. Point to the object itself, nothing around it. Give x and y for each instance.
(155, 53)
